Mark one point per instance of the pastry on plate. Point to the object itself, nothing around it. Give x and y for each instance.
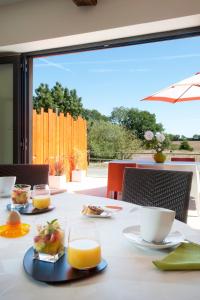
(92, 210)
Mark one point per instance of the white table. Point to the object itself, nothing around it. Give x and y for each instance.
(130, 273)
(154, 164)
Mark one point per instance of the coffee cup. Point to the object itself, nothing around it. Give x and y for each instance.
(156, 223)
(6, 185)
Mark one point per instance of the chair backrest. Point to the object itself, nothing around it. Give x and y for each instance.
(161, 188)
(189, 159)
(195, 188)
(26, 173)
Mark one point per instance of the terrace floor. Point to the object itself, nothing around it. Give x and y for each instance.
(95, 184)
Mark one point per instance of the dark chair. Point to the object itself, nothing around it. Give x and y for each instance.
(161, 188)
(27, 174)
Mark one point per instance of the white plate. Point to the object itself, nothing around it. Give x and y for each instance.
(132, 233)
(105, 214)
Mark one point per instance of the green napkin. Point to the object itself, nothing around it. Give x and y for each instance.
(184, 257)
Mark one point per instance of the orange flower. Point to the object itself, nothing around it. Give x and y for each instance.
(57, 168)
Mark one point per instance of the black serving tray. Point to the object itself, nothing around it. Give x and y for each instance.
(30, 210)
(58, 272)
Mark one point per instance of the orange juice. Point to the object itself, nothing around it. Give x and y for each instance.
(41, 202)
(84, 253)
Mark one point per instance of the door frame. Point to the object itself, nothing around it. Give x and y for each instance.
(121, 42)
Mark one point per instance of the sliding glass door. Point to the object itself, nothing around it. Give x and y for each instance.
(6, 113)
(11, 133)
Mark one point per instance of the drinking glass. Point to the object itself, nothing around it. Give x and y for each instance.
(41, 196)
(49, 239)
(20, 196)
(84, 250)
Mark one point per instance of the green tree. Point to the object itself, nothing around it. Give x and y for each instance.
(174, 137)
(107, 140)
(72, 103)
(94, 115)
(43, 98)
(63, 99)
(135, 120)
(57, 93)
(196, 137)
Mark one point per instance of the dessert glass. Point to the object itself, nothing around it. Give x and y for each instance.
(49, 241)
(20, 196)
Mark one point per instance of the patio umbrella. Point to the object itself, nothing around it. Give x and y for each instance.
(185, 90)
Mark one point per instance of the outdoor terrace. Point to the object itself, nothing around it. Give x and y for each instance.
(95, 184)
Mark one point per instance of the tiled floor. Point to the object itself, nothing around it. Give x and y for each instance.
(96, 186)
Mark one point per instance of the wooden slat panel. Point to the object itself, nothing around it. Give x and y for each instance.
(46, 138)
(61, 135)
(50, 125)
(56, 137)
(42, 135)
(34, 139)
(38, 137)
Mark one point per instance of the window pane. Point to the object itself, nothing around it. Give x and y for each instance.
(6, 113)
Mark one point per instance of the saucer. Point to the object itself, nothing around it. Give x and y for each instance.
(105, 214)
(58, 272)
(132, 233)
(30, 210)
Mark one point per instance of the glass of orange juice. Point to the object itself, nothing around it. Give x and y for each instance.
(84, 250)
(41, 196)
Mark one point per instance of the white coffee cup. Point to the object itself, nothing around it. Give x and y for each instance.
(6, 185)
(155, 223)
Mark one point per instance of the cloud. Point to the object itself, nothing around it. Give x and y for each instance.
(48, 63)
(129, 60)
(63, 65)
(140, 70)
(105, 70)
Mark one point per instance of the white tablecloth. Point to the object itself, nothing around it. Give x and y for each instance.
(130, 273)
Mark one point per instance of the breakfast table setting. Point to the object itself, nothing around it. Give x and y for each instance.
(128, 267)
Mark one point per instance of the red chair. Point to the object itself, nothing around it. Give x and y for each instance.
(187, 159)
(115, 177)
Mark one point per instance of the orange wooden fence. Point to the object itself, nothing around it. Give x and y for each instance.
(58, 137)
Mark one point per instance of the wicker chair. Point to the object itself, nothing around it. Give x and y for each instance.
(161, 188)
(27, 174)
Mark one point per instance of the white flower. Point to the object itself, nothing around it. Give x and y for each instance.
(148, 135)
(159, 149)
(160, 137)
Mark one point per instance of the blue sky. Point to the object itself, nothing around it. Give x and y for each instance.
(122, 76)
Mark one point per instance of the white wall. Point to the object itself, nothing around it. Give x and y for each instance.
(36, 20)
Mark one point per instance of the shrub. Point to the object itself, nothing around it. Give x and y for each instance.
(185, 146)
(107, 140)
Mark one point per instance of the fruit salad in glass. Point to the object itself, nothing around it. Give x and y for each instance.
(20, 195)
(49, 241)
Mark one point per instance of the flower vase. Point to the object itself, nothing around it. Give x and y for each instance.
(159, 157)
(57, 182)
(78, 175)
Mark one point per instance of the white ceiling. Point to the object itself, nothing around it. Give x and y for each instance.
(105, 35)
(7, 2)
